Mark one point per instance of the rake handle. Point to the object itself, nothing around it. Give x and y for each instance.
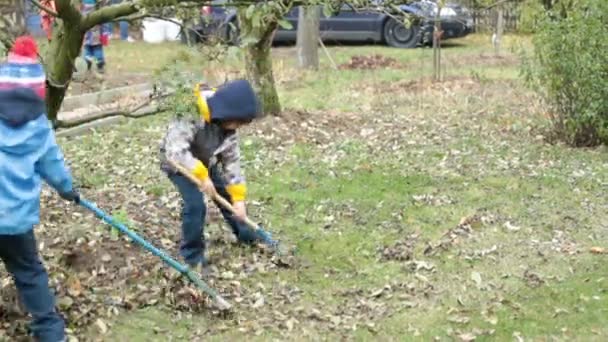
(184, 270)
(215, 196)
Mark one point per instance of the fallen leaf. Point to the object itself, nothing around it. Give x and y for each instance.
(517, 336)
(511, 227)
(476, 277)
(492, 319)
(101, 325)
(467, 337)
(227, 275)
(65, 302)
(290, 324)
(598, 250)
(259, 302)
(459, 319)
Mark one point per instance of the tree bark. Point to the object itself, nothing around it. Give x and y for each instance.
(499, 28)
(308, 36)
(66, 44)
(258, 62)
(437, 45)
(63, 50)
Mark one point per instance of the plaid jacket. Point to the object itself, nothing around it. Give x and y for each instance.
(198, 146)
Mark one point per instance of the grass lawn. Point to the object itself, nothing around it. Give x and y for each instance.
(417, 211)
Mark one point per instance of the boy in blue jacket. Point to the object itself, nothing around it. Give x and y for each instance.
(28, 153)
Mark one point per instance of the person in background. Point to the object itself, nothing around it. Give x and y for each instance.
(28, 154)
(47, 19)
(123, 26)
(94, 40)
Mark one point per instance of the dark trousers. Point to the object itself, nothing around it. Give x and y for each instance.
(94, 53)
(194, 211)
(20, 256)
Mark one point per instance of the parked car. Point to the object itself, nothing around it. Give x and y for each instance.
(349, 25)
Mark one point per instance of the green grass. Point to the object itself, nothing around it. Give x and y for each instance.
(436, 154)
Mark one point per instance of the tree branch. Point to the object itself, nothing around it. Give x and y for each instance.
(108, 14)
(44, 8)
(68, 12)
(114, 12)
(498, 3)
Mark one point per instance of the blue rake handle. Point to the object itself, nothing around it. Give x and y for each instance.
(183, 269)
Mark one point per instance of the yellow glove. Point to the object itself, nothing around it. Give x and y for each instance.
(200, 171)
(237, 192)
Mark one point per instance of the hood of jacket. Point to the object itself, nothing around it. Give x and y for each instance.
(18, 106)
(235, 100)
(24, 138)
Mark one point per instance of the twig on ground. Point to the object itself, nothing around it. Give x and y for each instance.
(333, 63)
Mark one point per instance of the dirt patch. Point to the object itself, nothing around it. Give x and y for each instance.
(482, 59)
(294, 126)
(370, 63)
(450, 83)
(92, 84)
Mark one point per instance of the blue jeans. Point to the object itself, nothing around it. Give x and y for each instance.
(20, 256)
(194, 211)
(124, 30)
(95, 53)
(124, 25)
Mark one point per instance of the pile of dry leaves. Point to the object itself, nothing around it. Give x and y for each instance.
(370, 63)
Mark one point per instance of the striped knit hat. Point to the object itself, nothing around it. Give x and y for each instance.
(22, 69)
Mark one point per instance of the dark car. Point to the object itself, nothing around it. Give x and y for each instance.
(349, 25)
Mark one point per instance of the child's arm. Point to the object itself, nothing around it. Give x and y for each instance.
(177, 148)
(51, 166)
(231, 161)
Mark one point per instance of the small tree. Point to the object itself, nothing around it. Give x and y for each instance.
(437, 33)
(498, 32)
(570, 69)
(308, 37)
(258, 22)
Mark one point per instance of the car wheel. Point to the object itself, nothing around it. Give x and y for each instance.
(233, 33)
(396, 34)
(192, 38)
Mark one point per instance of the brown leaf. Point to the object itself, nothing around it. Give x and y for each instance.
(459, 319)
(74, 287)
(467, 337)
(101, 326)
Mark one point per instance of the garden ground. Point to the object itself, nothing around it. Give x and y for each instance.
(417, 210)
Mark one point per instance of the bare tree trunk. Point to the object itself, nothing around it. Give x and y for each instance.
(308, 36)
(437, 45)
(63, 50)
(258, 62)
(499, 28)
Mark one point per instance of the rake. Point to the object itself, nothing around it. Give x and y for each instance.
(184, 270)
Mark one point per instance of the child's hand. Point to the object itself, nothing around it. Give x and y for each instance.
(240, 211)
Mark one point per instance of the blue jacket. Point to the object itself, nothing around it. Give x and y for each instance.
(28, 154)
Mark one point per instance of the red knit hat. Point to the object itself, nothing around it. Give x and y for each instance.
(25, 46)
